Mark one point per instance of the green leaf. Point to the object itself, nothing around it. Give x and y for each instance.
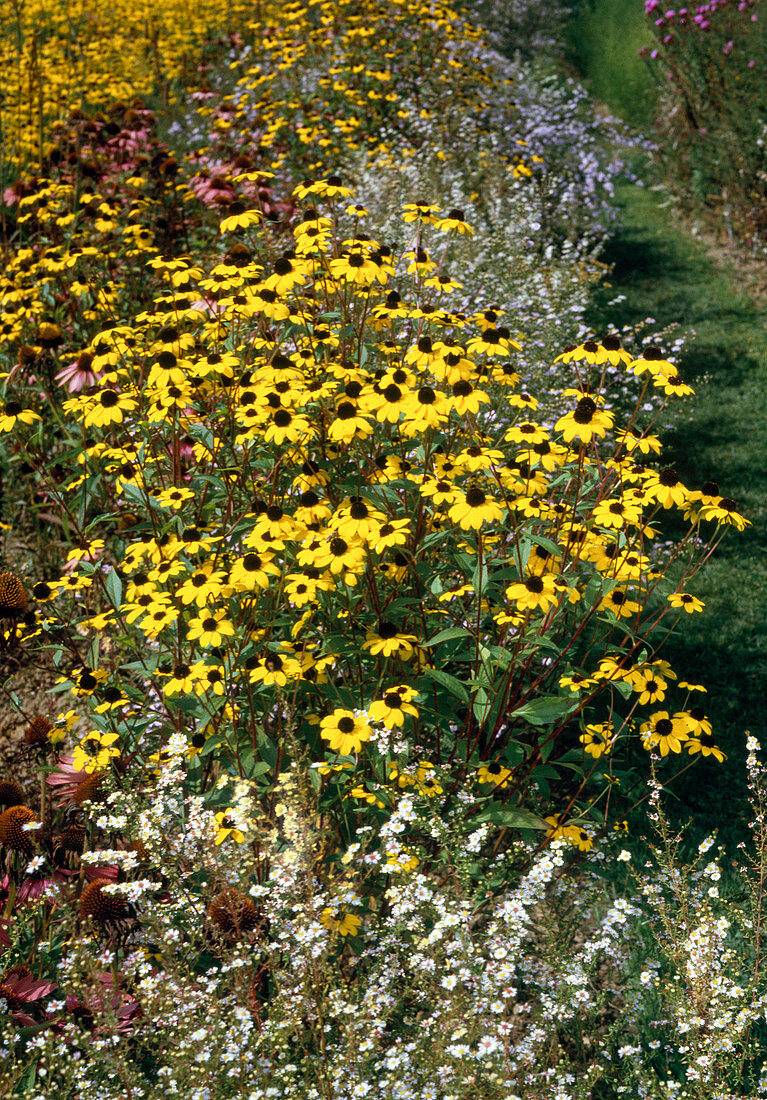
(114, 587)
(450, 683)
(512, 817)
(546, 710)
(447, 635)
(482, 706)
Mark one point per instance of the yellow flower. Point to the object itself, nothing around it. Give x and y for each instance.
(494, 773)
(585, 421)
(94, 751)
(663, 733)
(475, 509)
(228, 826)
(338, 919)
(391, 710)
(598, 738)
(534, 592)
(12, 413)
(388, 642)
(345, 732)
(685, 601)
(210, 630)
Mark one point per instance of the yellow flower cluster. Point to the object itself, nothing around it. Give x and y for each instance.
(59, 58)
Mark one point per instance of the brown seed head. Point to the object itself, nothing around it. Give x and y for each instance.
(8, 994)
(12, 834)
(72, 839)
(11, 793)
(233, 913)
(103, 909)
(89, 790)
(37, 731)
(13, 598)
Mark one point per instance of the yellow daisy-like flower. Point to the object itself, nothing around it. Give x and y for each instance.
(614, 513)
(345, 732)
(725, 511)
(705, 744)
(686, 602)
(107, 407)
(584, 422)
(338, 919)
(620, 603)
(396, 703)
(475, 509)
(388, 642)
(666, 489)
(12, 413)
(535, 591)
(494, 773)
(210, 630)
(174, 497)
(228, 826)
(577, 836)
(95, 751)
(663, 733)
(598, 738)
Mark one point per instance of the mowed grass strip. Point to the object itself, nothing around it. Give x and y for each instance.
(721, 436)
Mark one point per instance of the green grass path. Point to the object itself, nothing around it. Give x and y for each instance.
(721, 436)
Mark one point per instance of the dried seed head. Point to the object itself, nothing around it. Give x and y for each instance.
(37, 731)
(72, 839)
(233, 913)
(13, 598)
(8, 994)
(103, 909)
(89, 790)
(11, 793)
(12, 832)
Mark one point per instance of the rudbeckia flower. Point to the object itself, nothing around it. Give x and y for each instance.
(388, 642)
(663, 733)
(534, 592)
(338, 919)
(345, 732)
(455, 223)
(686, 602)
(615, 513)
(619, 602)
(584, 422)
(598, 738)
(107, 407)
(666, 489)
(210, 630)
(94, 751)
(475, 509)
(705, 744)
(12, 413)
(725, 511)
(395, 705)
(494, 772)
(228, 826)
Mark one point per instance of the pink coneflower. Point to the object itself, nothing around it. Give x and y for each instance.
(73, 786)
(19, 987)
(121, 1005)
(79, 373)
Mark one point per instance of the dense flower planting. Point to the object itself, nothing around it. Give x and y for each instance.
(711, 58)
(346, 584)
